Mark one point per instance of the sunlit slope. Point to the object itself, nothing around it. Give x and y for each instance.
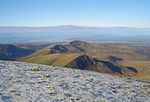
(42, 57)
(121, 55)
(103, 51)
(54, 59)
(142, 66)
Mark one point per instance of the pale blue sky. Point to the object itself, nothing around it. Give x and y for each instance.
(134, 13)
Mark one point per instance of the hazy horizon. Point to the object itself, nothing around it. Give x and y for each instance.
(42, 26)
(93, 20)
(63, 33)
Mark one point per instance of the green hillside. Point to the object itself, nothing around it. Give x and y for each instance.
(75, 55)
(122, 59)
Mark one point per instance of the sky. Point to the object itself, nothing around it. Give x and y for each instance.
(130, 13)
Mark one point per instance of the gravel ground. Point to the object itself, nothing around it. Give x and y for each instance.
(26, 82)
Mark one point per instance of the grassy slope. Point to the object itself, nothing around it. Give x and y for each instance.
(42, 57)
(124, 51)
(128, 53)
(142, 66)
(131, 58)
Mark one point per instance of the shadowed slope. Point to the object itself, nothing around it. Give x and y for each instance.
(11, 52)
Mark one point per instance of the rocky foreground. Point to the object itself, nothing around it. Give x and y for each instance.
(26, 82)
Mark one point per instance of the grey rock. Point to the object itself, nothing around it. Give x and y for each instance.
(21, 82)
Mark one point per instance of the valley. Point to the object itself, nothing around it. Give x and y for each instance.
(105, 58)
(117, 59)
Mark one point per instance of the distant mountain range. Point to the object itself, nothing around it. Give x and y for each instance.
(70, 32)
(62, 28)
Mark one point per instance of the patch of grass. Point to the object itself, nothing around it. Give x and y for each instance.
(143, 68)
(53, 59)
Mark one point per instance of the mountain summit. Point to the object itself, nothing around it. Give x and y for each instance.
(27, 82)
